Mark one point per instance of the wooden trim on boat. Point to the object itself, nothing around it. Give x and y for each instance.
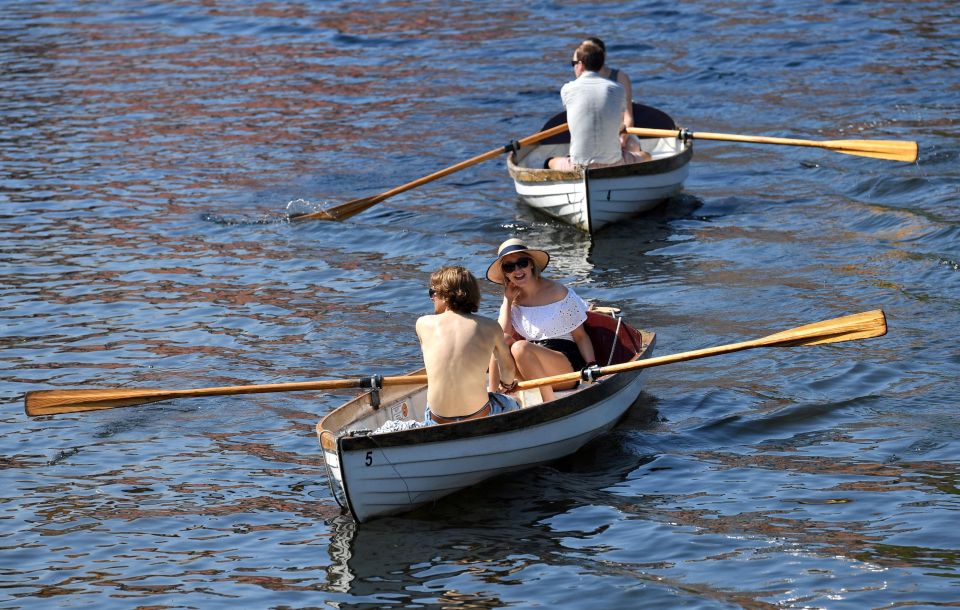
(529, 174)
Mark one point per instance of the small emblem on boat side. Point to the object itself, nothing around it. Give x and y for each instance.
(400, 411)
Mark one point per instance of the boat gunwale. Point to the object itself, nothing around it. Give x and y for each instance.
(532, 175)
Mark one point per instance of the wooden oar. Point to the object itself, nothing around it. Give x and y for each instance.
(53, 402)
(848, 328)
(355, 206)
(893, 150)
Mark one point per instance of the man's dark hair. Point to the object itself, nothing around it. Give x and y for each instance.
(590, 55)
(597, 42)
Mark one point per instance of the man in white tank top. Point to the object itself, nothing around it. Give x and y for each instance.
(595, 109)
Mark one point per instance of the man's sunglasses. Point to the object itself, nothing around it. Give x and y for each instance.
(520, 263)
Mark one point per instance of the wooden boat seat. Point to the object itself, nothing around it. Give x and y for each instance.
(532, 398)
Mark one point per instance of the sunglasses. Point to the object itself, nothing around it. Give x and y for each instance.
(432, 293)
(574, 62)
(520, 263)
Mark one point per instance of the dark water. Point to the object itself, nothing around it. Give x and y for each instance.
(149, 150)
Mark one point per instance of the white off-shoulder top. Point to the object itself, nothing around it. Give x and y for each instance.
(551, 321)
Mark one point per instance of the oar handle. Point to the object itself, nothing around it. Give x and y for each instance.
(685, 134)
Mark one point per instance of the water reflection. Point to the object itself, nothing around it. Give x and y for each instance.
(615, 254)
(471, 537)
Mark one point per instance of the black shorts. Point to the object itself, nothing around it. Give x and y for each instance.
(566, 347)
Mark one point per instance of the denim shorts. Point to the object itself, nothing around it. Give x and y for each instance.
(498, 403)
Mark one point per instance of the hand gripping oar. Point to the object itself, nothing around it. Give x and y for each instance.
(893, 150)
(355, 206)
(848, 328)
(53, 402)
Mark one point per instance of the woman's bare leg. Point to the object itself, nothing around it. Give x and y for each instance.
(535, 361)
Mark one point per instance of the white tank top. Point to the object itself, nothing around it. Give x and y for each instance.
(551, 321)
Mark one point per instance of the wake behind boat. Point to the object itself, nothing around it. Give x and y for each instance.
(375, 474)
(594, 198)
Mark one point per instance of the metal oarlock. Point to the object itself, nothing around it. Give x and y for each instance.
(374, 382)
(590, 373)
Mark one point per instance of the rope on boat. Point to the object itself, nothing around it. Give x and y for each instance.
(616, 338)
(411, 498)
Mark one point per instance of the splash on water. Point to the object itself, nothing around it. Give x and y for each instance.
(244, 219)
(299, 207)
(294, 208)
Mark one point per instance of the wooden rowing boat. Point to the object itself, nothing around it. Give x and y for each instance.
(376, 474)
(591, 199)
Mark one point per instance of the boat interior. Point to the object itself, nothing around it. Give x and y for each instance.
(534, 157)
(614, 342)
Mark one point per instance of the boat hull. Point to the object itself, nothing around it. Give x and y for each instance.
(594, 198)
(374, 475)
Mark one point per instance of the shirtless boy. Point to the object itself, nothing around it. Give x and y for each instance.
(457, 345)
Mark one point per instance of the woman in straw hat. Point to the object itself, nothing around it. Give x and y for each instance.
(542, 319)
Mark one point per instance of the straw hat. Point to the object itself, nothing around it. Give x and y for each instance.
(495, 273)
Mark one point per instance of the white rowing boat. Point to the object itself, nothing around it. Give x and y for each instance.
(591, 199)
(376, 474)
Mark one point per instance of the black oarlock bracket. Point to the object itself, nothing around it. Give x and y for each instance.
(590, 373)
(374, 382)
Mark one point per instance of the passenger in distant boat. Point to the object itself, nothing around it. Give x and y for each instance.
(595, 113)
(627, 141)
(458, 345)
(542, 320)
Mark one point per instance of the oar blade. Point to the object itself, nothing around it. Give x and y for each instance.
(891, 150)
(847, 328)
(352, 208)
(339, 212)
(55, 402)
